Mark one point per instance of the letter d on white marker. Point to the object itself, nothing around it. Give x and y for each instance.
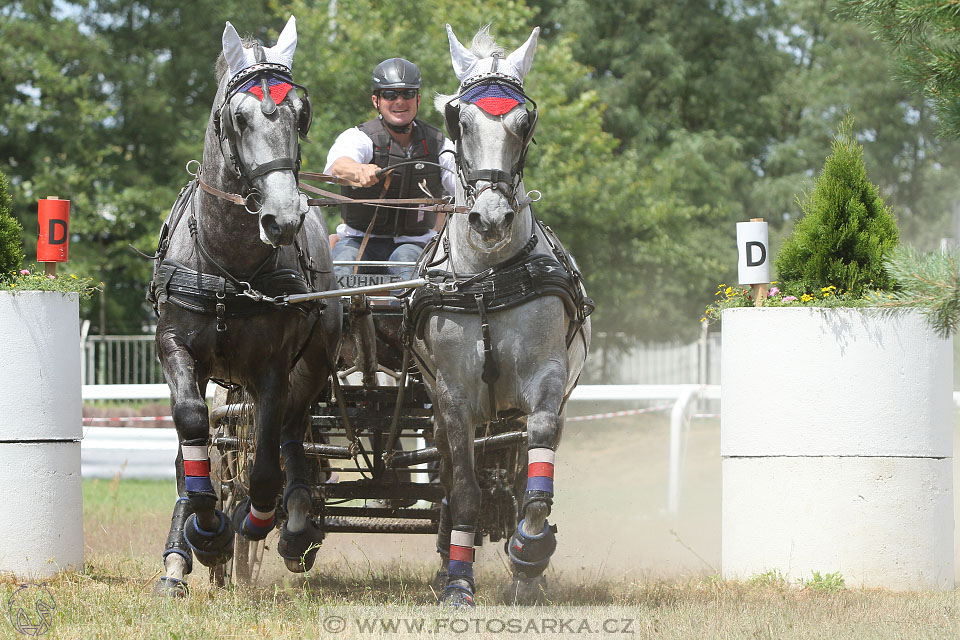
(754, 255)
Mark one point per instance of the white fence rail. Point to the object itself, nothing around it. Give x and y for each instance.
(133, 360)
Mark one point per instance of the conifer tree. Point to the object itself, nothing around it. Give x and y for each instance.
(845, 231)
(11, 247)
(923, 36)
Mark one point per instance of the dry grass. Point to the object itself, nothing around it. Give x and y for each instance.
(113, 600)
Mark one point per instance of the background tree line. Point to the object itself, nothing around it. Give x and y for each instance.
(662, 125)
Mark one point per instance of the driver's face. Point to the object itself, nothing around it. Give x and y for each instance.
(400, 111)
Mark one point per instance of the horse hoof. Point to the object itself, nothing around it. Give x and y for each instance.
(210, 548)
(243, 526)
(439, 581)
(299, 550)
(457, 596)
(527, 591)
(168, 587)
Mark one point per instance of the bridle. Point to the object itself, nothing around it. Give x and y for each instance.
(469, 177)
(228, 134)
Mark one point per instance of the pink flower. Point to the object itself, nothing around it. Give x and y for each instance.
(24, 272)
(52, 277)
(773, 291)
(789, 299)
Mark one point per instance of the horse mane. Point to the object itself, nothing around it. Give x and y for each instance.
(483, 46)
(221, 64)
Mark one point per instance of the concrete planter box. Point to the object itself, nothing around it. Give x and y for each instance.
(837, 445)
(40, 432)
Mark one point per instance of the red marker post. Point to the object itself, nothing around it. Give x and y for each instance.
(53, 243)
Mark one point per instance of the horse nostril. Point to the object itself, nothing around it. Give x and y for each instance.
(508, 220)
(270, 226)
(474, 219)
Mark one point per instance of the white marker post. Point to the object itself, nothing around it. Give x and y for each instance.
(754, 263)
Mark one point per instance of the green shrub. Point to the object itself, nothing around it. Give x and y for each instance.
(845, 232)
(11, 246)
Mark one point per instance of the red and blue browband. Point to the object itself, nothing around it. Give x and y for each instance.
(493, 97)
(278, 89)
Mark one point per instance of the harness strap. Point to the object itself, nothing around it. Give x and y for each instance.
(229, 197)
(491, 371)
(278, 164)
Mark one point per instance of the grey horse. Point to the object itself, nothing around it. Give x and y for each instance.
(240, 236)
(520, 358)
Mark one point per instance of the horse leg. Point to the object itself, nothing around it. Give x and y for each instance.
(206, 530)
(177, 557)
(463, 491)
(534, 540)
(301, 536)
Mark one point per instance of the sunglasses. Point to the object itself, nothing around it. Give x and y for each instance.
(393, 94)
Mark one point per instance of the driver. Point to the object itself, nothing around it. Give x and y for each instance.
(395, 136)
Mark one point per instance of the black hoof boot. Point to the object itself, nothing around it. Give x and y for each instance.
(242, 524)
(171, 588)
(531, 554)
(299, 550)
(212, 548)
(458, 594)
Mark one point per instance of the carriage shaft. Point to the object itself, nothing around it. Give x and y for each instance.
(490, 443)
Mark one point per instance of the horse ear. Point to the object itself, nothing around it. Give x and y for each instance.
(233, 51)
(282, 52)
(522, 59)
(463, 60)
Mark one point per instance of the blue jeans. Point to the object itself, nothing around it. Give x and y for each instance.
(377, 249)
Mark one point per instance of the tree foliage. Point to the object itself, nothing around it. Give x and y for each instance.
(11, 246)
(923, 35)
(846, 231)
(662, 125)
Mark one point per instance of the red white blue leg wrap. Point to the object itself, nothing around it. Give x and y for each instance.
(196, 469)
(259, 523)
(462, 554)
(540, 464)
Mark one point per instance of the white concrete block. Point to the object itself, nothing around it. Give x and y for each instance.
(40, 366)
(880, 522)
(810, 381)
(41, 532)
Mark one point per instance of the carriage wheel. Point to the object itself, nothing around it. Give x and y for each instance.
(229, 472)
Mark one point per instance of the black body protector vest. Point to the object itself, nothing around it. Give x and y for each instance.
(425, 145)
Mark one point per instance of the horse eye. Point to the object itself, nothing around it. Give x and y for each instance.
(241, 120)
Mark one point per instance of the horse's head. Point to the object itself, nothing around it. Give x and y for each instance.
(492, 126)
(260, 117)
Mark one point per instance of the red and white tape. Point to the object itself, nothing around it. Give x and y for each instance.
(620, 414)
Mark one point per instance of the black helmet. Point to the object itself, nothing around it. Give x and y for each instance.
(395, 73)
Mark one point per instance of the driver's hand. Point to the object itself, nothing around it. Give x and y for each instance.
(367, 175)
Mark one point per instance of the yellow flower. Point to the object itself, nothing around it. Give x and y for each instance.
(728, 291)
(703, 319)
(806, 297)
(73, 276)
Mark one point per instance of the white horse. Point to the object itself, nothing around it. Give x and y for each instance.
(485, 358)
